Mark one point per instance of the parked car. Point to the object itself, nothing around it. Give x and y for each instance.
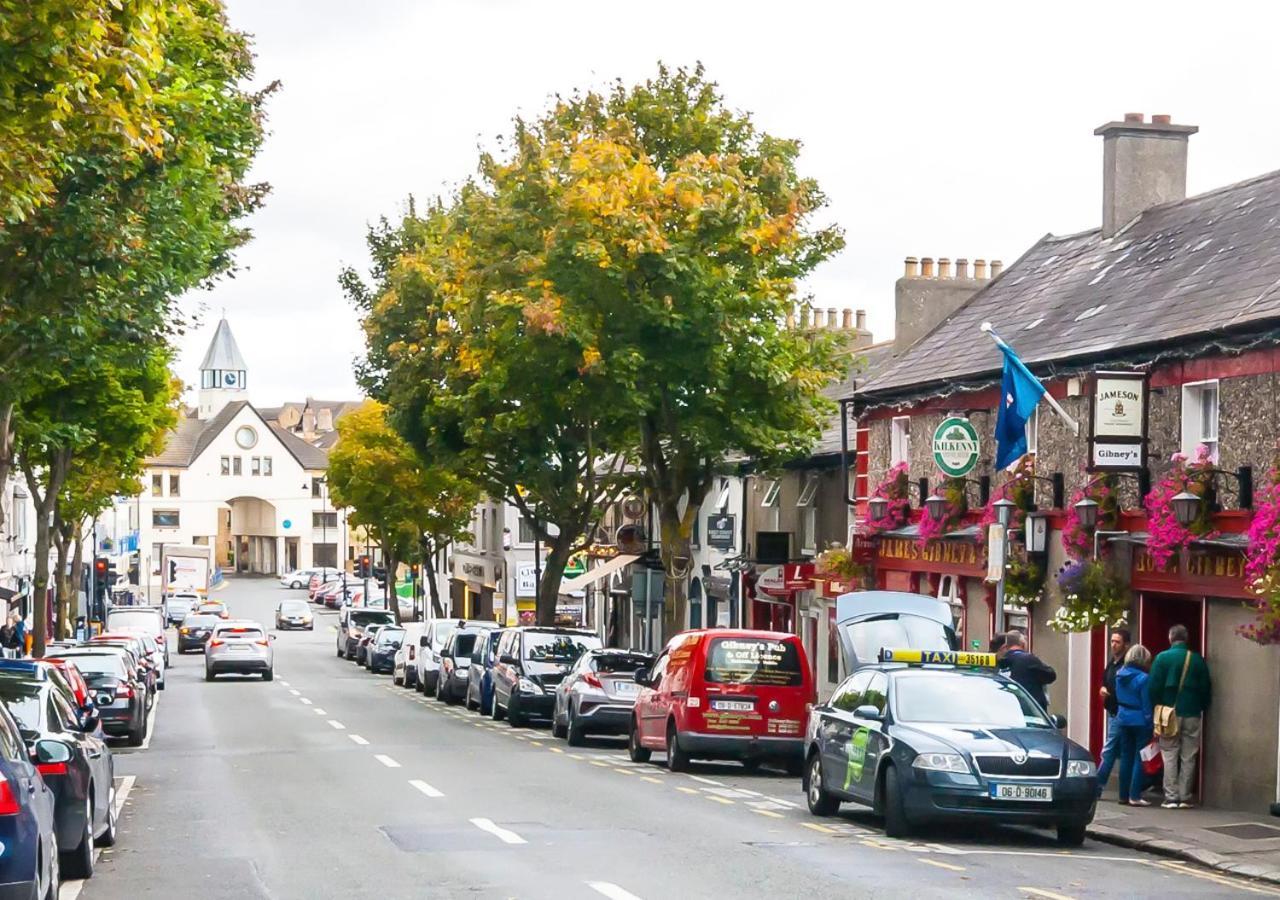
(455, 661)
(137, 654)
(293, 614)
(351, 626)
(366, 642)
(598, 694)
(532, 660)
(480, 673)
(28, 833)
(404, 671)
(724, 694)
(432, 642)
(379, 655)
(83, 697)
(45, 671)
(195, 630)
(147, 619)
(239, 647)
(300, 578)
(76, 765)
(119, 695)
(179, 604)
(141, 645)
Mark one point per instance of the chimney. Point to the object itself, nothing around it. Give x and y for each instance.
(913, 269)
(1144, 164)
(996, 267)
(846, 319)
(921, 303)
(926, 267)
(860, 318)
(944, 267)
(980, 270)
(962, 268)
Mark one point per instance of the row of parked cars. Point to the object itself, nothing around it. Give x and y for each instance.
(918, 730)
(57, 772)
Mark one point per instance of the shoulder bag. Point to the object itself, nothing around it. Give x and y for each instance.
(1166, 717)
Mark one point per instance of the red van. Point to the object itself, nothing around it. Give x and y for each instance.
(724, 694)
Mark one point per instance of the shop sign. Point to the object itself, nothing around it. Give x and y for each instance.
(577, 565)
(958, 557)
(526, 580)
(1209, 574)
(720, 531)
(1118, 421)
(781, 581)
(955, 446)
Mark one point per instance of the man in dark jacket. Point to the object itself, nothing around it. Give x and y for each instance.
(1179, 752)
(1026, 668)
(1119, 645)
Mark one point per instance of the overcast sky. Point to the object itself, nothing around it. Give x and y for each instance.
(935, 129)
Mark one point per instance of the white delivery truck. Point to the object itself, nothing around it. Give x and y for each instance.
(186, 569)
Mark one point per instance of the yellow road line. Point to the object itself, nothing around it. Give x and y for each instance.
(768, 812)
(596, 762)
(942, 865)
(871, 842)
(1223, 879)
(623, 772)
(723, 800)
(651, 779)
(816, 827)
(1048, 895)
(685, 790)
(536, 743)
(555, 749)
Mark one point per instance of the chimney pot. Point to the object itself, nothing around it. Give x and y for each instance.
(962, 268)
(1134, 117)
(861, 318)
(1164, 119)
(980, 269)
(846, 319)
(944, 267)
(1144, 164)
(926, 267)
(912, 267)
(996, 267)
(833, 317)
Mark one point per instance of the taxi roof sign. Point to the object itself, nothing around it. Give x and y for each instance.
(938, 658)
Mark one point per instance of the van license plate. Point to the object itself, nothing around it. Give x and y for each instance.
(733, 705)
(1036, 793)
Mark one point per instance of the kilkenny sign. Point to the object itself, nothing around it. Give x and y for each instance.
(1118, 417)
(955, 446)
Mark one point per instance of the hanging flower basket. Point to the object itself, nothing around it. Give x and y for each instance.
(1262, 563)
(1091, 596)
(1019, 489)
(894, 488)
(838, 564)
(1077, 540)
(1024, 579)
(953, 513)
(1166, 537)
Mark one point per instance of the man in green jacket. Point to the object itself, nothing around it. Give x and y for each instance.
(1180, 751)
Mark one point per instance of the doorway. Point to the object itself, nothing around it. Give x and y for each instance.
(1157, 613)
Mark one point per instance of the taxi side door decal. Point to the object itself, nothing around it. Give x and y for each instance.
(856, 756)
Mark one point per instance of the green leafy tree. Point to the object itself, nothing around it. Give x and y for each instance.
(406, 505)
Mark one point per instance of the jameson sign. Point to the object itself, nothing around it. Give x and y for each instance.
(955, 447)
(1118, 422)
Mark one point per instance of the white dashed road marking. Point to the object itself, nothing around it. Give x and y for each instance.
(502, 834)
(295, 692)
(334, 723)
(387, 761)
(425, 788)
(305, 700)
(612, 891)
(359, 740)
(318, 711)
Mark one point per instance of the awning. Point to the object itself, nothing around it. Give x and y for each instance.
(580, 582)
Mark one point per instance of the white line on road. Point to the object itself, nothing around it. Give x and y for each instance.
(386, 761)
(318, 711)
(707, 780)
(507, 837)
(359, 740)
(305, 700)
(425, 788)
(336, 724)
(295, 692)
(283, 683)
(612, 891)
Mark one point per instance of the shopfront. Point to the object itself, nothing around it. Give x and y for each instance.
(951, 568)
(774, 596)
(472, 587)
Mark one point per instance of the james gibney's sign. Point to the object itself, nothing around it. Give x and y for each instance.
(1118, 416)
(955, 446)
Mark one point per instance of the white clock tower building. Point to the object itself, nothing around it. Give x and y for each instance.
(222, 374)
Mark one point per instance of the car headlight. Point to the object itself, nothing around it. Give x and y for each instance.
(941, 762)
(528, 687)
(1081, 768)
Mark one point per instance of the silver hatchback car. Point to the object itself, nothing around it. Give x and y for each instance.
(242, 647)
(598, 694)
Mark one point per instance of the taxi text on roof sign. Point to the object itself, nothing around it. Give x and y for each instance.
(938, 657)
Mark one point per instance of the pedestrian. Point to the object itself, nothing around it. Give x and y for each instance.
(997, 644)
(1026, 668)
(1133, 721)
(1119, 645)
(20, 636)
(1180, 694)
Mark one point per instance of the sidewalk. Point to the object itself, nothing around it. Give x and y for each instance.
(1239, 843)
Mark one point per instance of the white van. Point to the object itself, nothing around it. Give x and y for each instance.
(404, 670)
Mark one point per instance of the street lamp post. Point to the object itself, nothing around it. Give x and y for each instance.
(1004, 513)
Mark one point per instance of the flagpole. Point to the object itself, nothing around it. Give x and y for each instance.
(1053, 404)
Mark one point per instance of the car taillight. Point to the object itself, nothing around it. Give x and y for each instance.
(216, 642)
(592, 679)
(411, 654)
(52, 768)
(8, 802)
(123, 690)
(261, 643)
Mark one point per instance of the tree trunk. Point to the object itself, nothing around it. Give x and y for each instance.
(389, 585)
(77, 572)
(429, 572)
(45, 504)
(676, 532)
(63, 583)
(553, 574)
(6, 449)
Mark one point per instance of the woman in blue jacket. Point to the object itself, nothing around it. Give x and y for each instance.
(1134, 721)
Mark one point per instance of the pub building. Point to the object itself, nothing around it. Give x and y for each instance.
(1159, 334)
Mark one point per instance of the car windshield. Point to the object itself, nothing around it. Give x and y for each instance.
(390, 636)
(869, 636)
(465, 644)
(363, 618)
(96, 664)
(212, 608)
(951, 698)
(22, 698)
(543, 647)
(443, 630)
(761, 661)
(200, 621)
(133, 618)
(620, 663)
(293, 606)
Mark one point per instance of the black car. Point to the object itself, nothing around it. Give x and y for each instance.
(194, 631)
(351, 625)
(929, 741)
(455, 662)
(380, 654)
(75, 764)
(119, 695)
(532, 660)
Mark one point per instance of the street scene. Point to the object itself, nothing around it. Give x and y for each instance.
(554, 449)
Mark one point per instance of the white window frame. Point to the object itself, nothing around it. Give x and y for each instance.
(899, 440)
(1194, 430)
(770, 498)
(722, 501)
(806, 503)
(808, 490)
(1033, 431)
(266, 465)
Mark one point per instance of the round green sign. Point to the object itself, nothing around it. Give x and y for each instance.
(955, 447)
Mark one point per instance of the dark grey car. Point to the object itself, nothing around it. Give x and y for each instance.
(598, 694)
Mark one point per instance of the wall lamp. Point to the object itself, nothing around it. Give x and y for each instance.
(1187, 506)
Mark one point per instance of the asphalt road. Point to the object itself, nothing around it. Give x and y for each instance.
(329, 782)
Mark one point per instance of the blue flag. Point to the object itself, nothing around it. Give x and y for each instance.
(1020, 393)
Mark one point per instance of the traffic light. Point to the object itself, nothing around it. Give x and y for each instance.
(413, 571)
(100, 567)
(364, 565)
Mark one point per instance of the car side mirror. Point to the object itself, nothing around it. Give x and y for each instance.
(641, 677)
(89, 719)
(868, 712)
(49, 751)
(1059, 721)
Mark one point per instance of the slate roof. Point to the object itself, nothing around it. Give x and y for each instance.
(223, 352)
(1201, 267)
(193, 436)
(871, 361)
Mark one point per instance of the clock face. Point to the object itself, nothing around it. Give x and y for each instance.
(246, 437)
(229, 379)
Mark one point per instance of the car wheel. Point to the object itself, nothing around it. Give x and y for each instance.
(821, 803)
(108, 836)
(471, 704)
(295, 585)
(208, 674)
(1071, 834)
(752, 764)
(634, 749)
(339, 650)
(677, 759)
(269, 675)
(398, 681)
(895, 812)
(79, 862)
(575, 734)
(557, 730)
(514, 716)
(496, 711)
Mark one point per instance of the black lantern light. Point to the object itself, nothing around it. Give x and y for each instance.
(936, 507)
(1087, 512)
(1186, 507)
(878, 507)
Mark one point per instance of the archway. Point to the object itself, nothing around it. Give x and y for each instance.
(248, 537)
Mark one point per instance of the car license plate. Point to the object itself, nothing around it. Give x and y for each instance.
(733, 705)
(236, 649)
(626, 687)
(1036, 793)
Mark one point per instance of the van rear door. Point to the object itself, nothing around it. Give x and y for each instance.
(757, 685)
(868, 621)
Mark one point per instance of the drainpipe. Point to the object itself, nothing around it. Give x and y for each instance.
(737, 617)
